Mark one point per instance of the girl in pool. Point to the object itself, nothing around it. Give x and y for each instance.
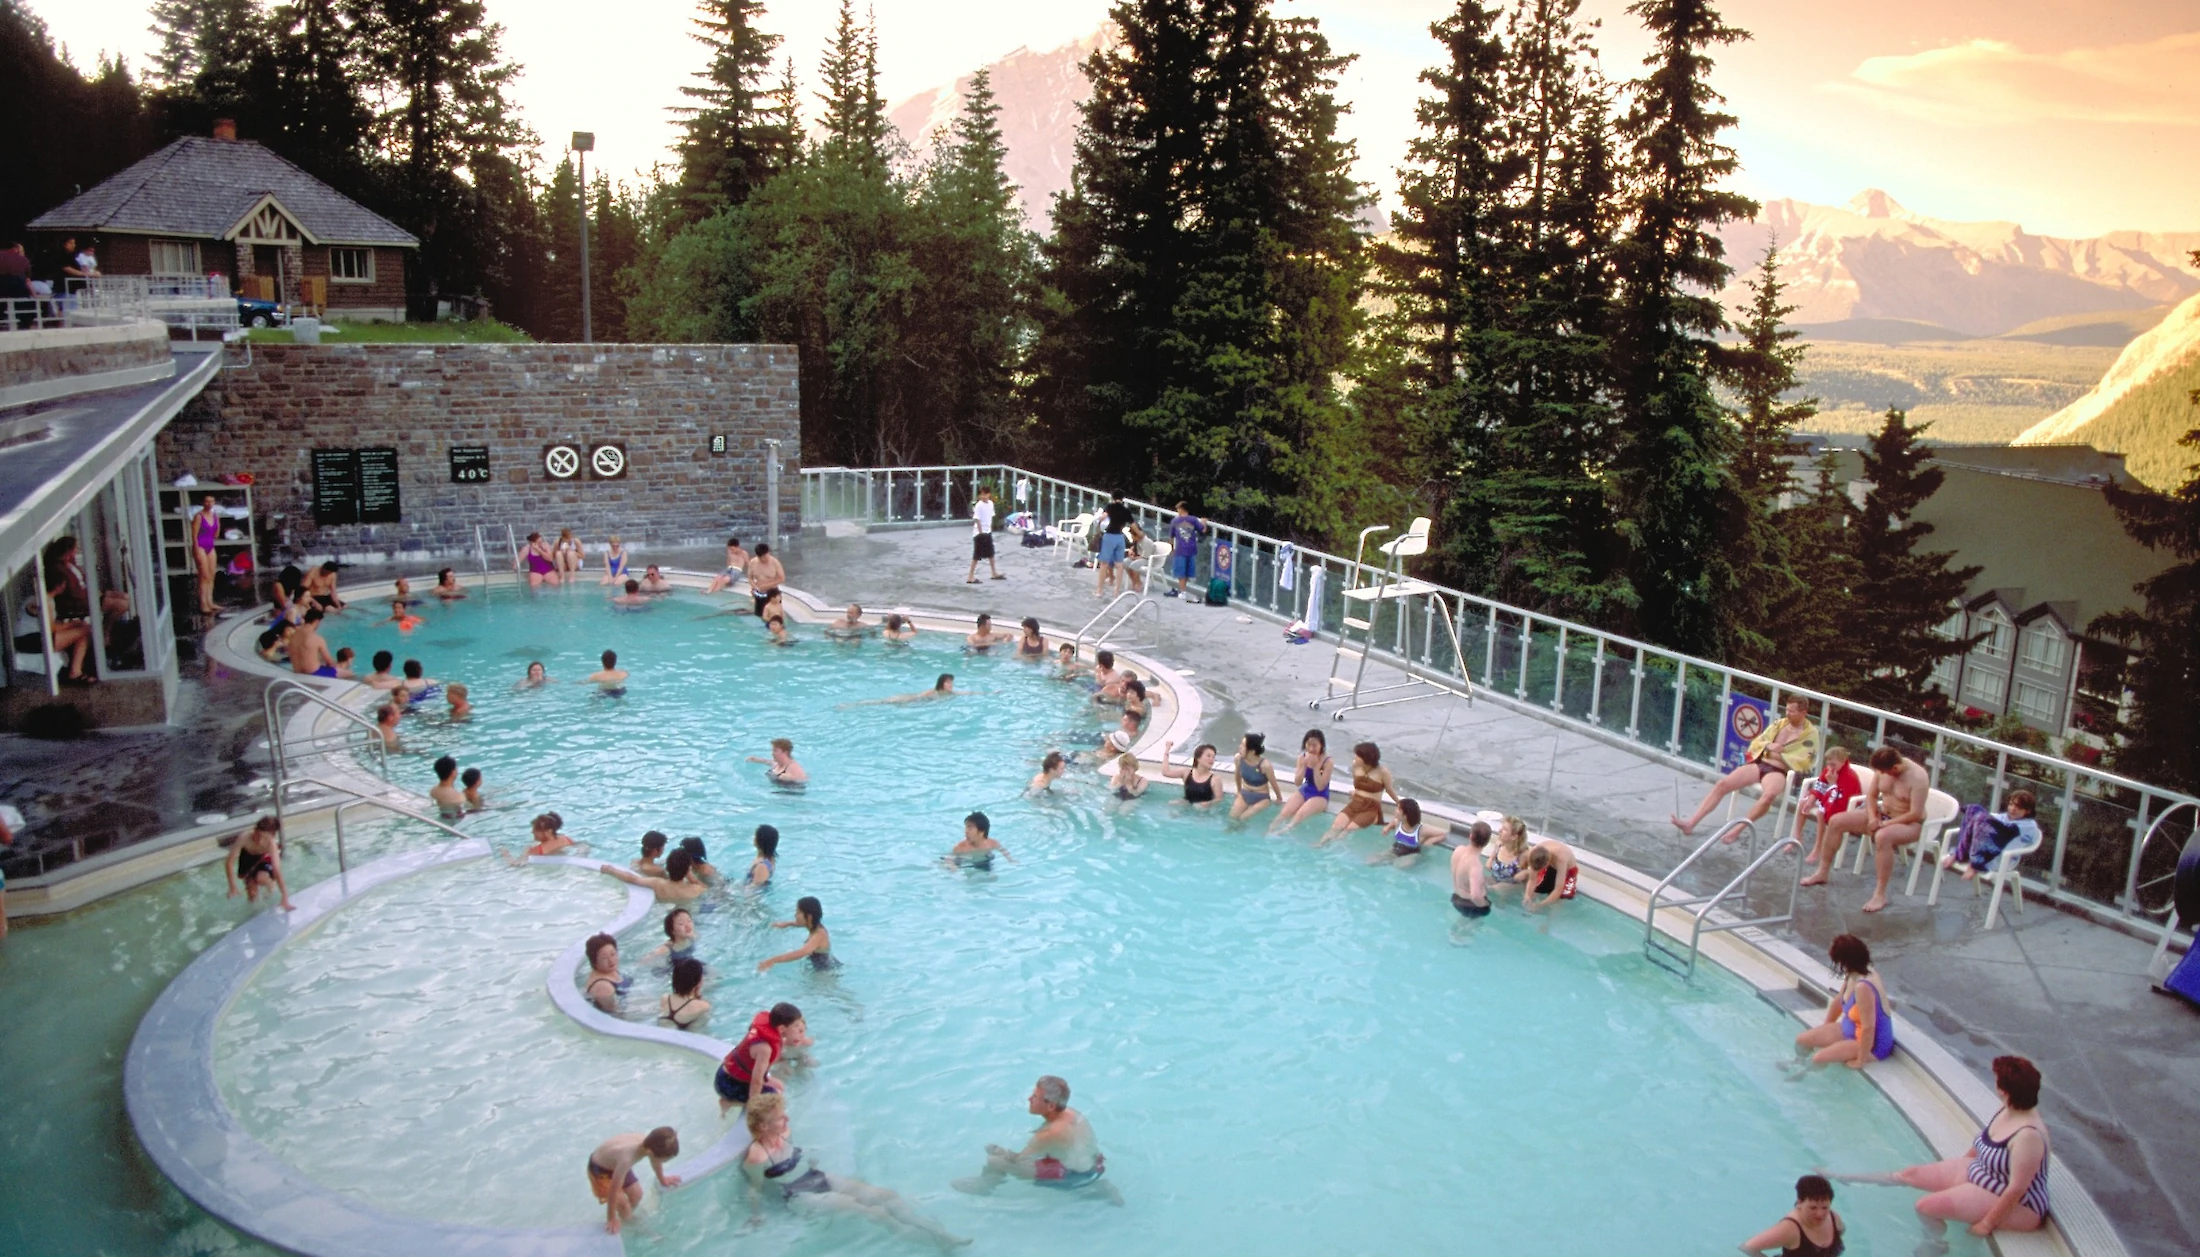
(537, 677)
(1051, 770)
(538, 561)
(1370, 782)
(679, 941)
(548, 839)
(614, 562)
(899, 629)
(1198, 776)
(1411, 837)
(1312, 773)
(685, 1005)
(776, 625)
(705, 871)
(776, 1168)
(809, 915)
(1032, 644)
(1858, 1028)
(1127, 782)
(1508, 853)
(767, 857)
(567, 553)
(1256, 783)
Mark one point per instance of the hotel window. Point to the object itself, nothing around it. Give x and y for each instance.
(2043, 647)
(1995, 645)
(1983, 687)
(175, 257)
(2036, 703)
(351, 266)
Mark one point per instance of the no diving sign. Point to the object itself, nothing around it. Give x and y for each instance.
(571, 460)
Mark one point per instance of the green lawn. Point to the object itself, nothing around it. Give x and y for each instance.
(477, 332)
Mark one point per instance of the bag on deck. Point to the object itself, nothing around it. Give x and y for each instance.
(1218, 592)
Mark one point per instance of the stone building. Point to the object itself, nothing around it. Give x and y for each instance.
(223, 206)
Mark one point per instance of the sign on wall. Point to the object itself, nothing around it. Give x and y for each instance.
(570, 460)
(469, 464)
(561, 461)
(608, 461)
(357, 486)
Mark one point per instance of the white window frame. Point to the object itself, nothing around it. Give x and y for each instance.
(1996, 644)
(2041, 648)
(1984, 687)
(336, 278)
(154, 249)
(2036, 703)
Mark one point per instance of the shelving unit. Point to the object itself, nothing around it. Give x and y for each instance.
(234, 504)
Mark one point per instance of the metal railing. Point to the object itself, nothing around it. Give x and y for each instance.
(1664, 705)
(360, 798)
(1668, 956)
(1138, 601)
(190, 303)
(278, 747)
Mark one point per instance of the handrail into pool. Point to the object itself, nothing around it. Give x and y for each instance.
(360, 798)
(1627, 685)
(271, 707)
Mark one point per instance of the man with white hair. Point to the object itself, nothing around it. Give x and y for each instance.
(1061, 1153)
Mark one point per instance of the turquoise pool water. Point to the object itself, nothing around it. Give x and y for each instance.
(1281, 1049)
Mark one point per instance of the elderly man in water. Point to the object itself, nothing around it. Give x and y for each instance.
(1061, 1153)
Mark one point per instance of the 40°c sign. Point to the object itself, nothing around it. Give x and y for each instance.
(573, 460)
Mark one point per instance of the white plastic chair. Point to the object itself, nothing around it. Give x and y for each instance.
(1941, 809)
(1410, 543)
(1865, 777)
(1073, 535)
(2006, 876)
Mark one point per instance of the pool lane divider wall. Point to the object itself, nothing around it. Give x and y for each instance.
(1941, 1098)
(567, 996)
(176, 1105)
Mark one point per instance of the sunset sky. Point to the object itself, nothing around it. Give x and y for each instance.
(2073, 117)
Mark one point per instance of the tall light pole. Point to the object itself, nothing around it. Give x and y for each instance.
(584, 143)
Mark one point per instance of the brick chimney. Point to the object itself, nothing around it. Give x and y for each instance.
(225, 128)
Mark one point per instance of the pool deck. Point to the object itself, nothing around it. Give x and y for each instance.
(2122, 1078)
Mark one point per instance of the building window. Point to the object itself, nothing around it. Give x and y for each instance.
(175, 257)
(1996, 643)
(1984, 688)
(2036, 703)
(1952, 627)
(2043, 648)
(351, 266)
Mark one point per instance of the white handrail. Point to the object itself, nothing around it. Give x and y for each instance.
(360, 798)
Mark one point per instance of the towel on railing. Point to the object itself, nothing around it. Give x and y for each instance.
(1313, 616)
(1287, 566)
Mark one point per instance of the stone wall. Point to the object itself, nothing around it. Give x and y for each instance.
(37, 363)
(664, 403)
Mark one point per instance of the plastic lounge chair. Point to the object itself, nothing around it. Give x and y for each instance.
(1864, 777)
(2005, 875)
(1071, 534)
(1941, 810)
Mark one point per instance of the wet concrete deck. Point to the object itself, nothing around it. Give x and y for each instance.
(2122, 1075)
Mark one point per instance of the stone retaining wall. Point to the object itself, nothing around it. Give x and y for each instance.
(33, 357)
(664, 403)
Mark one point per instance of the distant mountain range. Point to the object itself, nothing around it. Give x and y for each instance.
(2142, 405)
(1039, 94)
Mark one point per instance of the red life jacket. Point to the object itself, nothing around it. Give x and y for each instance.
(742, 1060)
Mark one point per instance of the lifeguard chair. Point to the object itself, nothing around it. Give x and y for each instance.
(1356, 634)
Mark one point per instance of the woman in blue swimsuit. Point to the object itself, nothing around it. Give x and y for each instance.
(1313, 771)
(1256, 786)
(776, 1167)
(1411, 837)
(1858, 1028)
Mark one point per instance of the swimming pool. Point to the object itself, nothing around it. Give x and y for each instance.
(1281, 1049)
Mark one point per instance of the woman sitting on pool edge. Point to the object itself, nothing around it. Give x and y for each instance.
(1411, 837)
(1858, 1028)
(809, 914)
(2000, 1184)
(1198, 775)
(1312, 773)
(1370, 782)
(1256, 784)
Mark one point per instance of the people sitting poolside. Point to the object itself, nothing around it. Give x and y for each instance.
(1810, 1229)
(609, 680)
(817, 945)
(653, 849)
(684, 1006)
(978, 847)
(1412, 836)
(1370, 782)
(1198, 774)
(1858, 1027)
(1312, 773)
(678, 885)
(611, 1171)
(344, 658)
(654, 582)
(1062, 1153)
(736, 570)
(1894, 814)
(776, 1166)
(766, 842)
(1256, 782)
(1553, 873)
(2000, 1183)
(747, 1070)
(448, 798)
(783, 770)
(1826, 798)
(1788, 745)
(605, 983)
(984, 638)
(616, 562)
(1470, 892)
(1983, 835)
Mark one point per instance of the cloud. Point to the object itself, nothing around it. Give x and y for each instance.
(1986, 82)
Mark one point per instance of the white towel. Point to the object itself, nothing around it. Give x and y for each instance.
(1287, 566)
(1313, 616)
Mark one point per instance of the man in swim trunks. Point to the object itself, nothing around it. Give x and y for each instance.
(737, 564)
(256, 860)
(449, 799)
(783, 771)
(765, 577)
(849, 627)
(1894, 814)
(611, 1171)
(309, 655)
(611, 678)
(1553, 874)
(747, 1069)
(1470, 892)
(985, 638)
(1061, 1153)
(654, 582)
(446, 586)
(605, 983)
(382, 678)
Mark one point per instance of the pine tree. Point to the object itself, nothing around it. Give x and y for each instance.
(323, 119)
(66, 132)
(1680, 506)
(1761, 372)
(1903, 595)
(732, 140)
(1806, 615)
(2159, 739)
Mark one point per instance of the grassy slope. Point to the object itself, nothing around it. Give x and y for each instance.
(1978, 390)
(478, 331)
(2146, 423)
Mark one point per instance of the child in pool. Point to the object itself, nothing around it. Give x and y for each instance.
(679, 937)
(977, 848)
(653, 846)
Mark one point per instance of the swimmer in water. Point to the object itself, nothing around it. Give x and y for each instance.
(775, 625)
(1470, 891)
(783, 771)
(1508, 853)
(632, 597)
(654, 582)
(382, 678)
(1061, 1153)
(385, 726)
(653, 847)
(684, 1006)
(1065, 658)
(344, 658)
(1554, 873)
(1198, 776)
(809, 915)
(977, 848)
(746, 1072)
(605, 983)
(461, 707)
(417, 684)
(610, 679)
(1256, 781)
(767, 857)
(403, 594)
(899, 628)
(679, 937)
(1033, 643)
(471, 781)
(699, 861)
(536, 677)
(449, 799)
(849, 627)
(1107, 683)
(678, 885)
(256, 862)
(776, 1167)
(1411, 837)
(1127, 782)
(446, 586)
(401, 615)
(943, 688)
(1051, 770)
(611, 1171)
(985, 638)
(548, 839)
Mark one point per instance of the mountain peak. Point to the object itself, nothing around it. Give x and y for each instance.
(1874, 203)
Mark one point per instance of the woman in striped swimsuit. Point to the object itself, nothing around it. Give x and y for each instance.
(2001, 1183)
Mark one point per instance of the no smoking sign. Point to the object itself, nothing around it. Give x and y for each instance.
(568, 460)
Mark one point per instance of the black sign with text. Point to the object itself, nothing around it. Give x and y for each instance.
(378, 502)
(355, 487)
(469, 464)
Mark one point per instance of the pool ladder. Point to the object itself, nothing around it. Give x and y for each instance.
(1704, 909)
(1138, 601)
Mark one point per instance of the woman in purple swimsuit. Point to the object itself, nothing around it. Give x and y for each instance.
(542, 564)
(205, 527)
(1314, 768)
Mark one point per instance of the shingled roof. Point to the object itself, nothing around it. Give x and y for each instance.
(201, 187)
